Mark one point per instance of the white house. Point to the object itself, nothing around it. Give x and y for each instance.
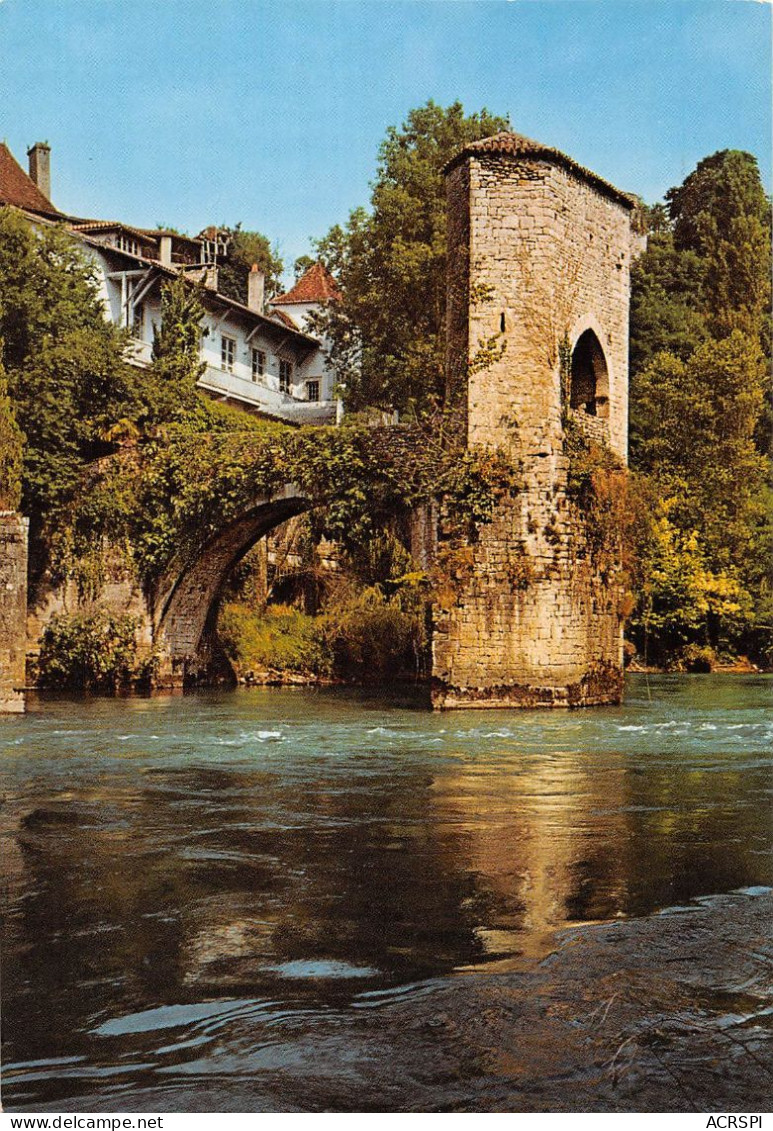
(312, 292)
(257, 356)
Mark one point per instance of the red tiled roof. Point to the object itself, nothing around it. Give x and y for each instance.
(285, 319)
(516, 145)
(17, 188)
(87, 226)
(315, 285)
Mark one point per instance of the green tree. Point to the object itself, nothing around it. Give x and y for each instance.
(706, 269)
(388, 331)
(302, 265)
(692, 429)
(666, 286)
(701, 399)
(65, 370)
(722, 214)
(170, 383)
(11, 450)
(692, 432)
(244, 249)
(684, 602)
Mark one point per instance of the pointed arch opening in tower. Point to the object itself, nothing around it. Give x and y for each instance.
(590, 377)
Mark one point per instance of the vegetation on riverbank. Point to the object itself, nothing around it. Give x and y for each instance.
(93, 651)
(701, 419)
(365, 637)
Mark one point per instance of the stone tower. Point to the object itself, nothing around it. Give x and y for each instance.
(538, 294)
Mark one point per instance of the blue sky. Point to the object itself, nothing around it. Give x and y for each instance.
(190, 112)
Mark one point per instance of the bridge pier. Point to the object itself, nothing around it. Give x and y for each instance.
(537, 356)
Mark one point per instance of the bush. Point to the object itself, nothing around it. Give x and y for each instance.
(372, 635)
(697, 658)
(88, 652)
(280, 639)
(361, 635)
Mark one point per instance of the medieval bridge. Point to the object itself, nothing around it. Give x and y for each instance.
(540, 251)
(185, 609)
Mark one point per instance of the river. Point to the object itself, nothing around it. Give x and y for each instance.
(204, 894)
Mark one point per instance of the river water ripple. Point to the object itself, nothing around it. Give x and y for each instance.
(188, 880)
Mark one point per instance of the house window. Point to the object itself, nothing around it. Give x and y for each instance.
(285, 376)
(138, 320)
(227, 353)
(258, 364)
(312, 390)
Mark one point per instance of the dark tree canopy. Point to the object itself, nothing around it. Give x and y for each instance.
(244, 249)
(722, 214)
(666, 301)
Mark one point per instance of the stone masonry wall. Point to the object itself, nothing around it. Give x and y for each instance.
(458, 291)
(13, 609)
(553, 255)
(536, 621)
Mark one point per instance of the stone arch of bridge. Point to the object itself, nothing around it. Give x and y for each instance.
(189, 596)
(590, 376)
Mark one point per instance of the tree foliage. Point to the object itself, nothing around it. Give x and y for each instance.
(388, 331)
(666, 305)
(177, 365)
(685, 603)
(93, 651)
(11, 450)
(693, 428)
(700, 398)
(721, 214)
(64, 364)
(302, 265)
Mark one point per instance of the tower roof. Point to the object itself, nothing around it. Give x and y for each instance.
(314, 285)
(19, 189)
(517, 145)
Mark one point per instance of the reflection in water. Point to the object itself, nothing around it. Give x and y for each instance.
(172, 867)
(546, 842)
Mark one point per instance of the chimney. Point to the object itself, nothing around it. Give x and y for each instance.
(165, 251)
(40, 166)
(256, 289)
(210, 276)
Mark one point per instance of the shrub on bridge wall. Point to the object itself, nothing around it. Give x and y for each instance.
(164, 496)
